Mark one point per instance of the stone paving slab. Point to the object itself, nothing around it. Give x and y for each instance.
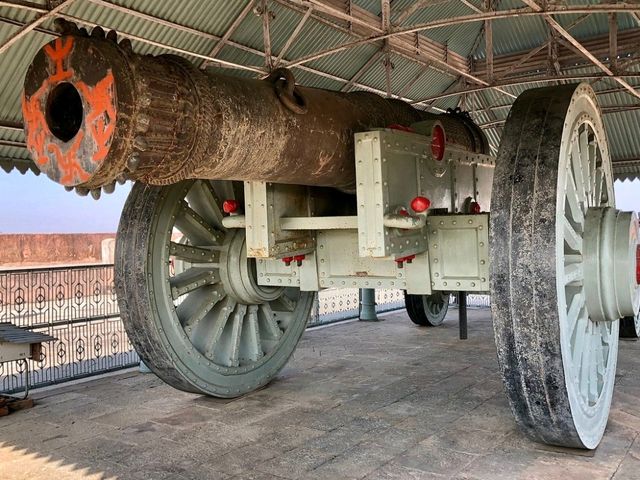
(374, 401)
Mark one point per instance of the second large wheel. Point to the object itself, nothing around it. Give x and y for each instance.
(427, 310)
(555, 239)
(188, 294)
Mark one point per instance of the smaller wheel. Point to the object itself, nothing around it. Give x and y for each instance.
(427, 310)
(630, 327)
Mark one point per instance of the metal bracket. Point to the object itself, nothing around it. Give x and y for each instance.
(265, 205)
(459, 252)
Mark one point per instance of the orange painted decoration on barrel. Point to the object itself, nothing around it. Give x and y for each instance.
(90, 143)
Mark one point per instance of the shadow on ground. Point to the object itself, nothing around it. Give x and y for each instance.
(381, 400)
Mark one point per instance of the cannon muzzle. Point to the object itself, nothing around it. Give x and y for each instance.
(96, 112)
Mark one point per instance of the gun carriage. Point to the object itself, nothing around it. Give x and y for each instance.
(252, 195)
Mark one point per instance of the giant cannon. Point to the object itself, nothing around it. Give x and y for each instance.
(252, 195)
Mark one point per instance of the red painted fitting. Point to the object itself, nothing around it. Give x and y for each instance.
(437, 143)
(420, 204)
(230, 206)
(403, 212)
(475, 208)
(299, 259)
(400, 260)
(287, 260)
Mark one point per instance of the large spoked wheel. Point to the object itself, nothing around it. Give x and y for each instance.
(188, 295)
(551, 222)
(427, 310)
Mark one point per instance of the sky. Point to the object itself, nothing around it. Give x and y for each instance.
(35, 204)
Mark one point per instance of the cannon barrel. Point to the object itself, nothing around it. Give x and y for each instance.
(96, 112)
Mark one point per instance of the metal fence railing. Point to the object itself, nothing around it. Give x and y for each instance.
(77, 305)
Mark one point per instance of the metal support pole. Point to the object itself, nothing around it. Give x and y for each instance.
(462, 314)
(368, 305)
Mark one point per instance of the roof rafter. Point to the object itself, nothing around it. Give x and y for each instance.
(33, 24)
(214, 61)
(586, 53)
(522, 81)
(476, 17)
(365, 25)
(230, 31)
(518, 63)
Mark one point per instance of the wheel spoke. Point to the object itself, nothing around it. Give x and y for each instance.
(194, 227)
(251, 343)
(576, 168)
(198, 304)
(571, 237)
(575, 209)
(283, 304)
(573, 273)
(204, 200)
(284, 318)
(591, 166)
(577, 302)
(218, 317)
(584, 157)
(233, 358)
(578, 337)
(191, 279)
(600, 350)
(270, 328)
(585, 360)
(593, 365)
(605, 335)
(598, 191)
(192, 254)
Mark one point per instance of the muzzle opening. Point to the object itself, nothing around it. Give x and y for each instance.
(64, 113)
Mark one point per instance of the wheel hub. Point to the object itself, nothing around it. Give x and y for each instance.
(238, 273)
(611, 264)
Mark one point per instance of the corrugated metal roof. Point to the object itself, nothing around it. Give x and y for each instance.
(191, 28)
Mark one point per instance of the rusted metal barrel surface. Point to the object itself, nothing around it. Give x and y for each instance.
(95, 112)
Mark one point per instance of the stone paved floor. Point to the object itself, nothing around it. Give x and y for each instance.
(372, 401)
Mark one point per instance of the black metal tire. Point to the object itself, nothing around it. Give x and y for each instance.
(427, 310)
(150, 314)
(529, 305)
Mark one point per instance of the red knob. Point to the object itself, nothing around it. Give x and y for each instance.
(475, 208)
(420, 204)
(230, 206)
